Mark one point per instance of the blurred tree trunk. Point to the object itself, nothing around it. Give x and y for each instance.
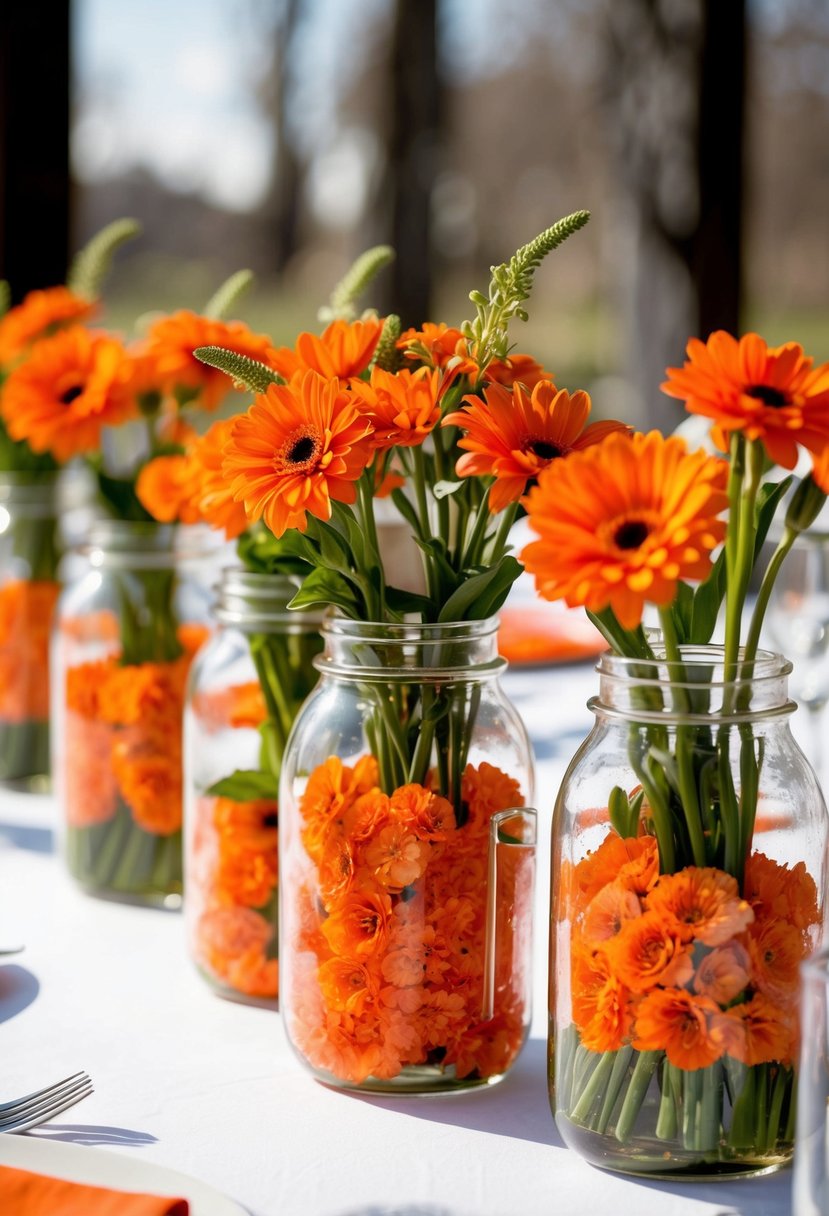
(34, 145)
(411, 160)
(280, 213)
(675, 88)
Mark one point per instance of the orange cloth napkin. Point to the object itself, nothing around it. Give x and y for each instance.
(26, 1194)
(535, 633)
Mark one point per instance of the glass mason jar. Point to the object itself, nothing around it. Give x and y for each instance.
(407, 862)
(28, 593)
(126, 632)
(245, 689)
(689, 870)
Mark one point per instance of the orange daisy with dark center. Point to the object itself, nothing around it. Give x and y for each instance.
(512, 435)
(771, 394)
(68, 388)
(169, 354)
(623, 521)
(299, 447)
(300, 452)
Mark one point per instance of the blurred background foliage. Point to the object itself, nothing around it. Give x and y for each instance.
(289, 135)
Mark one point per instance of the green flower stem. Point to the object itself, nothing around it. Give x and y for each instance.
(778, 1095)
(684, 745)
(419, 479)
(499, 544)
(729, 809)
(642, 1073)
(562, 1061)
(788, 1134)
(666, 1123)
(614, 1087)
(660, 810)
(365, 492)
(441, 474)
(111, 848)
(134, 861)
(600, 1075)
(472, 554)
(736, 476)
(742, 557)
(772, 570)
(744, 1102)
(709, 1111)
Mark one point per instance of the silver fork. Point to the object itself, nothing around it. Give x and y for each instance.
(41, 1106)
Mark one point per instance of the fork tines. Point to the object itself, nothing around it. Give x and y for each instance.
(44, 1104)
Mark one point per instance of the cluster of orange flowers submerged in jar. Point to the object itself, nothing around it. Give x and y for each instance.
(26, 608)
(683, 963)
(123, 734)
(232, 867)
(388, 923)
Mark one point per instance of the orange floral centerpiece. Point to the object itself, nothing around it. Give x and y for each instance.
(406, 853)
(689, 833)
(128, 630)
(29, 549)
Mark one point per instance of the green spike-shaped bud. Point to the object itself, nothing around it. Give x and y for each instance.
(90, 266)
(386, 354)
(363, 271)
(222, 300)
(249, 375)
(5, 297)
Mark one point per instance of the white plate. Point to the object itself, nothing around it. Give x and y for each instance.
(99, 1167)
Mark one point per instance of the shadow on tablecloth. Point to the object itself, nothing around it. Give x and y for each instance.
(519, 1103)
(18, 988)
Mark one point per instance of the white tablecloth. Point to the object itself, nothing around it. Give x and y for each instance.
(190, 1081)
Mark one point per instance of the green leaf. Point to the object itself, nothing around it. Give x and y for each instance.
(326, 587)
(708, 599)
(401, 602)
(226, 296)
(442, 489)
(91, 264)
(682, 612)
(247, 374)
(5, 297)
(260, 551)
(483, 594)
(354, 282)
(406, 509)
(768, 499)
(244, 785)
(119, 493)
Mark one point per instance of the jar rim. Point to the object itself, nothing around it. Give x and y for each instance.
(409, 631)
(696, 657)
(145, 543)
(254, 600)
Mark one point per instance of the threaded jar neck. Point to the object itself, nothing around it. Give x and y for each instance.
(130, 544)
(259, 603)
(699, 688)
(436, 653)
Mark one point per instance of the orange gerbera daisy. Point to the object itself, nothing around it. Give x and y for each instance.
(512, 437)
(601, 1003)
(701, 904)
(298, 447)
(402, 408)
(633, 860)
(170, 345)
(358, 925)
(770, 393)
(609, 911)
(776, 949)
(516, 368)
(438, 346)
(344, 349)
(67, 390)
(40, 314)
(166, 488)
(680, 1024)
(214, 499)
(429, 815)
(623, 522)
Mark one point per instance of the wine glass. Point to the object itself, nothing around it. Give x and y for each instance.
(797, 622)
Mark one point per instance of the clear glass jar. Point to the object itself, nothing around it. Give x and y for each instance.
(407, 862)
(689, 870)
(245, 689)
(126, 632)
(29, 590)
